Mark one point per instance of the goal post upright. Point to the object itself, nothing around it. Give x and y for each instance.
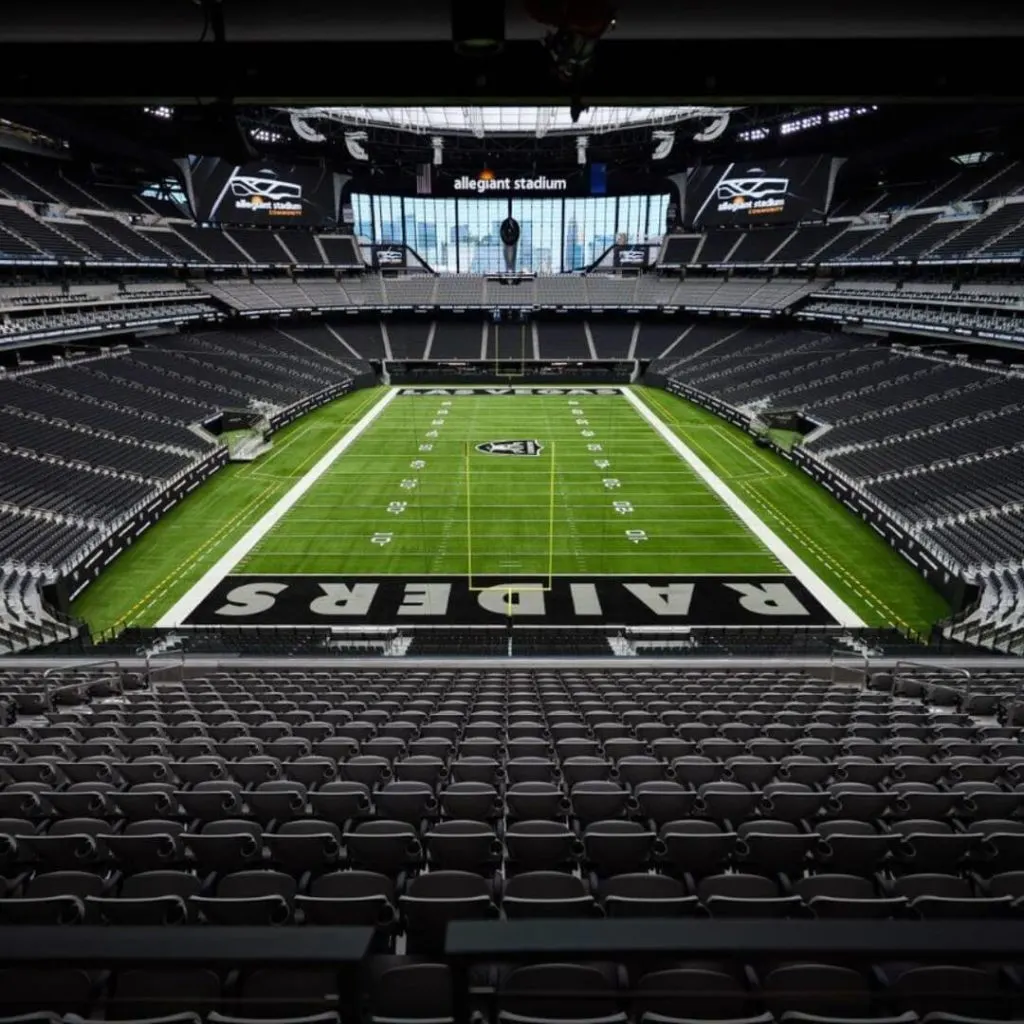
(506, 317)
(551, 520)
(469, 513)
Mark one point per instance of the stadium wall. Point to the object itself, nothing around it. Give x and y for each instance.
(555, 372)
(960, 593)
(293, 412)
(65, 590)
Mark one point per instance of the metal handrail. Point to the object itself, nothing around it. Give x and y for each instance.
(150, 670)
(945, 669)
(866, 668)
(110, 663)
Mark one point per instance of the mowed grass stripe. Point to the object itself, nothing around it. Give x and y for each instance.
(505, 527)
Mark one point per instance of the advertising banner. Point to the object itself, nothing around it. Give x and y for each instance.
(769, 191)
(635, 256)
(385, 256)
(262, 193)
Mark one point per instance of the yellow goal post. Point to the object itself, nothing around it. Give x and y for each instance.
(496, 326)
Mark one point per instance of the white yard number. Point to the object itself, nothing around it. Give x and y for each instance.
(431, 433)
(611, 482)
(437, 423)
(442, 412)
(408, 484)
(426, 447)
(382, 538)
(636, 536)
(594, 448)
(624, 508)
(602, 463)
(586, 433)
(417, 464)
(396, 508)
(446, 403)
(583, 423)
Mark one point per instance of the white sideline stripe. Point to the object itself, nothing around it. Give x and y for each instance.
(831, 601)
(204, 587)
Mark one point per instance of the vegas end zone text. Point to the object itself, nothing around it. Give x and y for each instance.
(331, 530)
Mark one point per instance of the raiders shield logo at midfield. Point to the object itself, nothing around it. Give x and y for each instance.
(510, 448)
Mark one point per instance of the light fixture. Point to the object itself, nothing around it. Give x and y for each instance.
(302, 128)
(437, 143)
(582, 141)
(266, 135)
(354, 144)
(478, 29)
(715, 129)
(664, 140)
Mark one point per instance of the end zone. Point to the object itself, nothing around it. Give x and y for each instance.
(267, 600)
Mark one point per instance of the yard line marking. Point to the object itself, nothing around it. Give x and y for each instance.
(527, 575)
(872, 600)
(205, 586)
(831, 601)
(650, 551)
(723, 434)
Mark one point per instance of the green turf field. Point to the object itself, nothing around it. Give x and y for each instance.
(605, 495)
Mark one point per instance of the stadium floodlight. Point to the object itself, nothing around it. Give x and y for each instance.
(437, 142)
(665, 141)
(302, 128)
(582, 141)
(265, 135)
(714, 130)
(354, 144)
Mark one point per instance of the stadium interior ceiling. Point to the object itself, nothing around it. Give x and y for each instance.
(321, 52)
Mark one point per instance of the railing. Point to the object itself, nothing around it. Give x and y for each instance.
(342, 953)
(51, 691)
(914, 666)
(819, 642)
(854, 669)
(151, 669)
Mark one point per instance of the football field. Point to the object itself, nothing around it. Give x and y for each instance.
(560, 505)
(516, 485)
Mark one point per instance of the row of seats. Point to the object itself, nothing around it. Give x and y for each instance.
(404, 799)
(91, 238)
(666, 993)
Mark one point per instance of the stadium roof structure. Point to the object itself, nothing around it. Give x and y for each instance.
(396, 52)
(902, 139)
(535, 121)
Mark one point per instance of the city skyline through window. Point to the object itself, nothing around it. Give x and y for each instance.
(556, 235)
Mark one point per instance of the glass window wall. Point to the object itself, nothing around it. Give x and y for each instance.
(557, 235)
